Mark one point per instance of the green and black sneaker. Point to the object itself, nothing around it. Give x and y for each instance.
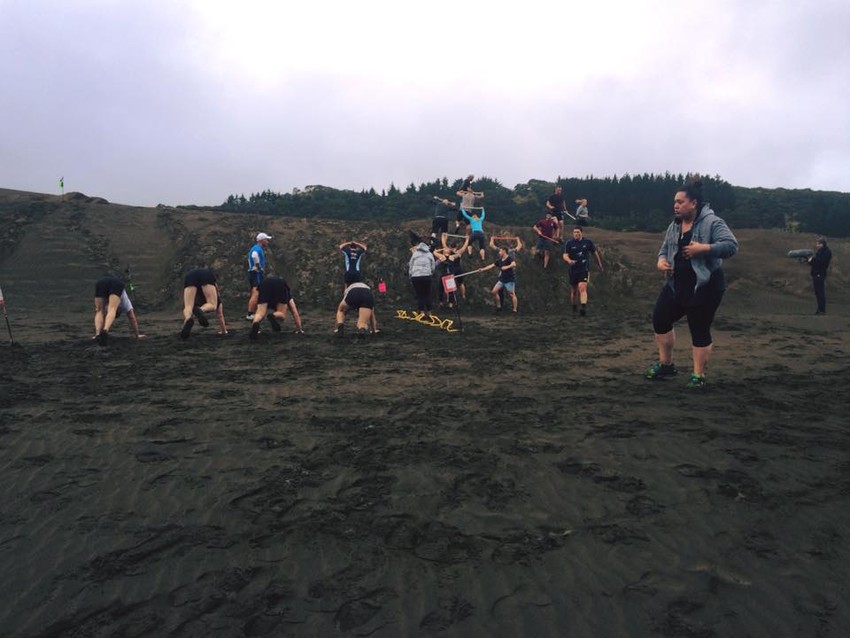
(658, 371)
(696, 381)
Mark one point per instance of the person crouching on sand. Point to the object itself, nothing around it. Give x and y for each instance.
(358, 296)
(274, 293)
(691, 255)
(201, 295)
(110, 300)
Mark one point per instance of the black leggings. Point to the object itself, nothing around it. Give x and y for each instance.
(422, 288)
(668, 311)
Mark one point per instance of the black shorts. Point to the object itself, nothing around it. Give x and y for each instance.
(274, 291)
(255, 278)
(199, 277)
(352, 278)
(359, 298)
(578, 277)
(439, 225)
(559, 215)
(108, 286)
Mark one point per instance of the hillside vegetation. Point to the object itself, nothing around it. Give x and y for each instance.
(52, 250)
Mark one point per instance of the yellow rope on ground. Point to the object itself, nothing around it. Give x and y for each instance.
(428, 320)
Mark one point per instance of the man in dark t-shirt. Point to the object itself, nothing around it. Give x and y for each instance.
(577, 252)
(558, 207)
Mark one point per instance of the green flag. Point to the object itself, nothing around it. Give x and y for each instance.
(62, 182)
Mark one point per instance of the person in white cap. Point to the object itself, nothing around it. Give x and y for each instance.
(256, 270)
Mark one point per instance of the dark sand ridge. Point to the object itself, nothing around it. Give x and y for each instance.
(519, 479)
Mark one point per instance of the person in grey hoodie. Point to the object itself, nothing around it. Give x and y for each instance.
(421, 270)
(691, 256)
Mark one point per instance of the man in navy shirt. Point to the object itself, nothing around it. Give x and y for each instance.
(352, 253)
(577, 252)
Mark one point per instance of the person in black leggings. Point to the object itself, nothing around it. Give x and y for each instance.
(691, 256)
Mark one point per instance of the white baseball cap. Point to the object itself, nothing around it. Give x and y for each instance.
(262, 236)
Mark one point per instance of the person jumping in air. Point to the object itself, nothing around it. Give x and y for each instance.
(274, 295)
(577, 253)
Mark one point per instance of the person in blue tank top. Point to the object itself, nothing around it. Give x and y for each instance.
(256, 271)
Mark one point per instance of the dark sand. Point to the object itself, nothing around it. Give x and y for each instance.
(518, 479)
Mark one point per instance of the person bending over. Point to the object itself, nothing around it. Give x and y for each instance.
(274, 294)
(110, 300)
(359, 297)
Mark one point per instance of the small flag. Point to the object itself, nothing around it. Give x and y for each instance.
(62, 182)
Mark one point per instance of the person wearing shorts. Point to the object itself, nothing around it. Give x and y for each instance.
(506, 263)
(274, 294)
(556, 205)
(547, 231)
(358, 296)
(440, 223)
(256, 270)
(577, 253)
(200, 296)
(110, 300)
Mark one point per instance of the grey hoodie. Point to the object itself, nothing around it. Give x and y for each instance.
(708, 228)
(422, 262)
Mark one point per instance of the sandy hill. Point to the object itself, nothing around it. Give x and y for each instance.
(54, 249)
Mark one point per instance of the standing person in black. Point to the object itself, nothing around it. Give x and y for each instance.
(577, 252)
(558, 207)
(352, 252)
(820, 263)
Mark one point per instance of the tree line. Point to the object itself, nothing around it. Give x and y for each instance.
(628, 202)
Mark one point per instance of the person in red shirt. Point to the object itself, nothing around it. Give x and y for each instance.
(547, 233)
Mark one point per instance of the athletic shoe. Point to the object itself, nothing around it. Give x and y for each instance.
(575, 309)
(187, 328)
(582, 312)
(199, 315)
(339, 330)
(249, 317)
(275, 324)
(102, 338)
(362, 333)
(255, 330)
(660, 371)
(696, 381)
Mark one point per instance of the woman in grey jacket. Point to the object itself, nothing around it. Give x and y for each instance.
(421, 269)
(691, 256)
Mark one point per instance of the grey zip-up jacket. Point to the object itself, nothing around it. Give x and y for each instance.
(708, 228)
(421, 262)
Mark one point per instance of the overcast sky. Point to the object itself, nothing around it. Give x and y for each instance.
(178, 102)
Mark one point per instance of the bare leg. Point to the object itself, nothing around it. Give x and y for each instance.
(211, 297)
(98, 315)
(260, 311)
(665, 343)
(701, 356)
(111, 312)
(363, 318)
(582, 292)
(189, 294)
(514, 301)
(252, 300)
(495, 292)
